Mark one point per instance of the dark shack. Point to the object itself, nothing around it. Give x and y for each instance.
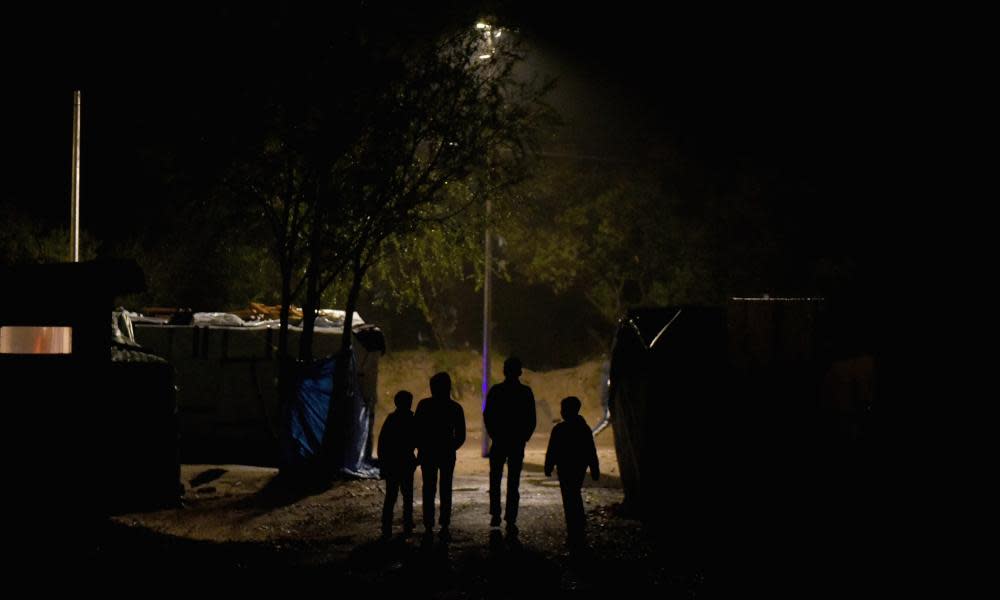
(742, 423)
(94, 427)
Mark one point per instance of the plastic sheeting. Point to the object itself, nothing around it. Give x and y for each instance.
(217, 319)
(305, 416)
(122, 331)
(305, 421)
(335, 317)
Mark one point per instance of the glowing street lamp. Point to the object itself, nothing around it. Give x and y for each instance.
(490, 34)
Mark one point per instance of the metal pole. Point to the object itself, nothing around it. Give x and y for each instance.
(74, 211)
(487, 316)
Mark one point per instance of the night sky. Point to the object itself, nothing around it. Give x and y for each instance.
(797, 101)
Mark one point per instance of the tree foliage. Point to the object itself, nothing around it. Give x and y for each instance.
(339, 171)
(612, 235)
(339, 168)
(27, 240)
(434, 269)
(621, 235)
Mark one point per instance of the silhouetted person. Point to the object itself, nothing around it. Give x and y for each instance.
(440, 433)
(396, 443)
(510, 420)
(571, 450)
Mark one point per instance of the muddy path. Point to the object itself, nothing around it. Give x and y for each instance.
(236, 523)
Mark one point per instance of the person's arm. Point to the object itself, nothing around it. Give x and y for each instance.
(488, 412)
(418, 429)
(410, 441)
(595, 467)
(532, 419)
(550, 452)
(460, 426)
(381, 440)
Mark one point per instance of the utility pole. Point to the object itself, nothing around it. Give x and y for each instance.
(74, 210)
(487, 317)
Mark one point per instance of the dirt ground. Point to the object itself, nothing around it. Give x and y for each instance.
(243, 520)
(237, 519)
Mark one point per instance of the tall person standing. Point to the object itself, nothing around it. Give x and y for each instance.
(510, 421)
(440, 425)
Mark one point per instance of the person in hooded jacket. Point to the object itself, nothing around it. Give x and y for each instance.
(440, 425)
(571, 452)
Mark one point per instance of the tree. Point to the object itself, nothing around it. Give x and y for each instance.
(339, 170)
(452, 113)
(432, 271)
(278, 180)
(630, 234)
(605, 233)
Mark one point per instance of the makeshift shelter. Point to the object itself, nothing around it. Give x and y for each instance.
(143, 415)
(93, 426)
(728, 422)
(313, 410)
(668, 400)
(228, 401)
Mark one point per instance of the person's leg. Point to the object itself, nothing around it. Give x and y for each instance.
(430, 476)
(391, 491)
(579, 515)
(497, 458)
(406, 487)
(570, 487)
(515, 460)
(567, 504)
(447, 475)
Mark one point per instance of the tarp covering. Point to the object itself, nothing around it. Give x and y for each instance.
(217, 319)
(305, 417)
(305, 421)
(122, 331)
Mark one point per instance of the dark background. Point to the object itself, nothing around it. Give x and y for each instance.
(800, 108)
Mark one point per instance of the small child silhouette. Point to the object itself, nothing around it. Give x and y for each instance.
(571, 451)
(396, 443)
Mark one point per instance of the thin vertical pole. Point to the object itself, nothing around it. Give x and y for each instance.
(74, 211)
(487, 317)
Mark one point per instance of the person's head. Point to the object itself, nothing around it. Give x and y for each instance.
(441, 385)
(512, 367)
(403, 400)
(569, 407)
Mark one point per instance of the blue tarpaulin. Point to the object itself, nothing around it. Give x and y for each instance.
(306, 420)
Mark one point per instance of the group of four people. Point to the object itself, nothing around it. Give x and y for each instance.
(437, 430)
